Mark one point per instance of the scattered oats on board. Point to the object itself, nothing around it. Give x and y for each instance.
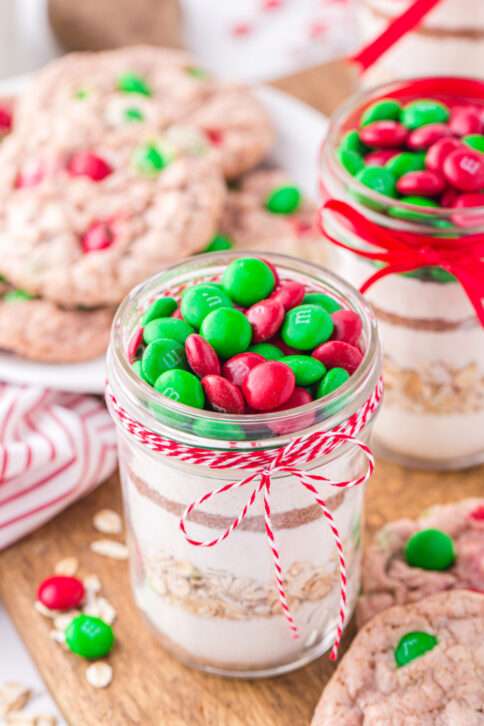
(110, 548)
(61, 622)
(99, 675)
(58, 636)
(45, 720)
(108, 522)
(46, 612)
(92, 583)
(99, 607)
(13, 697)
(68, 566)
(19, 719)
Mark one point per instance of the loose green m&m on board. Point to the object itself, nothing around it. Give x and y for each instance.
(181, 386)
(331, 381)
(219, 243)
(430, 549)
(385, 110)
(228, 331)
(424, 111)
(413, 645)
(132, 83)
(162, 355)
(89, 637)
(161, 308)
(325, 301)
(267, 351)
(200, 300)
(149, 159)
(284, 200)
(248, 280)
(307, 370)
(172, 328)
(306, 326)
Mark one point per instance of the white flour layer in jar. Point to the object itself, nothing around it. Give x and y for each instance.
(449, 41)
(434, 365)
(219, 605)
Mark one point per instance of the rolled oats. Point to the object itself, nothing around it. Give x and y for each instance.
(13, 697)
(99, 675)
(92, 583)
(108, 521)
(68, 566)
(110, 548)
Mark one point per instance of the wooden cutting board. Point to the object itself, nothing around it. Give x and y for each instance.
(151, 688)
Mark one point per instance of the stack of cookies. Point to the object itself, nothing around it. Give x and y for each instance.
(119, 164)
(418, 659)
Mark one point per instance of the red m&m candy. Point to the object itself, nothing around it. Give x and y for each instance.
(99, 236)
(468, 201)
(84, 163)
(347, 326)
(339, 354)
(465, 120)
(421, 183)
(237, 369)
(222, 395)
(266, 318)
(386, 134)
(290, 294)
(300, 397)
(380, 157)
(438, 153)
(464, 169)
(61, 592)
(201, 357)
(268, 386)
(6, 120)
(423, 137)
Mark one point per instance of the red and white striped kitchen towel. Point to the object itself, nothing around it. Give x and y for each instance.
(54, 448)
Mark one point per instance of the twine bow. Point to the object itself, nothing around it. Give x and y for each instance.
(406, 251)
(263, 465)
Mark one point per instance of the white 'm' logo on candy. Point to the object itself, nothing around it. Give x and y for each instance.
(171, 359)
(171, 393)
(303, 317)
(211, 299)
(471, 166)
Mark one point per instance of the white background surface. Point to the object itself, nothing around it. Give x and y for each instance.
(25, 44)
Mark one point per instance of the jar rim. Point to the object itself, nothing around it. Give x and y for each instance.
(399, 88)
(141, 399)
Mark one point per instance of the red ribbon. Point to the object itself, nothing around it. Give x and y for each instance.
(406, 251)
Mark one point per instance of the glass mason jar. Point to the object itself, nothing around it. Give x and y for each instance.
(433, 342)
(217, 608)
(449, 40)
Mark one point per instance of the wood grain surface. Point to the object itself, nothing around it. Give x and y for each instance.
(150, 687)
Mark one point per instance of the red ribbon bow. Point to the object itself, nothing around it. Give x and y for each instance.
(406, 251)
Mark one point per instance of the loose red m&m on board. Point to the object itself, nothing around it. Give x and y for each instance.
(61, 592)
(246, 359)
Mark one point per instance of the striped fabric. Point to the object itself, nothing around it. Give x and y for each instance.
(54, 448)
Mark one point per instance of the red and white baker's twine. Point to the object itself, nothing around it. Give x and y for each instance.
(264, 464)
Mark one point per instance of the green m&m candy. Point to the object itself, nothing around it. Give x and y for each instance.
(430, 549)
(219, 243)
(136, 366)
(440, 275)
(424, 111)
(405, 162)
(172, 328)
(228, 331)
(331, 381)
(325, 301)
(267, 351)
(413, 645)
(218, 430)
(307, 370)
(379, 179)
(386, 110)
(306, 326)
(133, 114)
(409, 214)
(200, 300)
(17, 296)
(475, 141)
(351, 142)
(181, 386)
(248, 280)
(149, 159)
(352, 161)
(161, 308)
(132, 83)
(284, 200)
(162, 355)
(89, 637)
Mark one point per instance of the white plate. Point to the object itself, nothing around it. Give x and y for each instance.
(300, 130)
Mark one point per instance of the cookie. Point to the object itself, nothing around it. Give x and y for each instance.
(417, 665)
(83, 225)
(249, 222)
(42, 331)
(6, 115)
(388, 578)
(121, 92)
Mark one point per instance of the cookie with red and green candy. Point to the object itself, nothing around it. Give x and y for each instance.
(408, 560)
(126, 91)
(247, 343)
(424, 153)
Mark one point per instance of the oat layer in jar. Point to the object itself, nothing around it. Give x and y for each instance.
(449, 40)
(430, 316)
(219, 607)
